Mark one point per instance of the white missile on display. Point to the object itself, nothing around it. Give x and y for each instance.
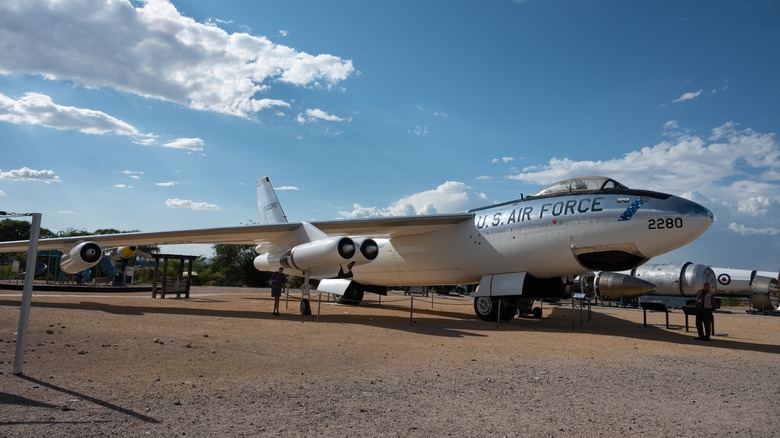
(612, 285)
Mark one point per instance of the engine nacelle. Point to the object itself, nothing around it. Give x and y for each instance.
(329, 257)
(325, 252)
(123, 253)
(82, 256)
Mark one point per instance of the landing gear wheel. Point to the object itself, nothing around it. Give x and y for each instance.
(537, 312)
(305, 307)
(487, 308)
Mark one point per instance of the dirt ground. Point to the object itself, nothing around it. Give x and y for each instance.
(220, 364)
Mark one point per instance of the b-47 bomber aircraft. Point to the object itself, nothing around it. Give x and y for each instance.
(516, 251)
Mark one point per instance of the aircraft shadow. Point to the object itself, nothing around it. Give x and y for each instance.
(6, 398)
(458, 324)
(604, 324)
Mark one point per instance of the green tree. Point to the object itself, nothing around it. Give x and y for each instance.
(233, 265)
(11, 229)
(109, 231)
(72, 232)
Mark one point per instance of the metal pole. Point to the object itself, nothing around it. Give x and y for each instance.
(411, 311)
(29, 275)
(498, 314)
(319, 304)
(572, 313)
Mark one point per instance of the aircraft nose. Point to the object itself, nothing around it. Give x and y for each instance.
(692, 209)
(697, 217)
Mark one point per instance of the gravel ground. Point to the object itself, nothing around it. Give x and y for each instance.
(219, 364)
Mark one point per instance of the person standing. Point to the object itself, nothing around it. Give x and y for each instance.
(278, 280)
(705, 301)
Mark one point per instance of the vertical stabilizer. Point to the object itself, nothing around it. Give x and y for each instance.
(270, 210)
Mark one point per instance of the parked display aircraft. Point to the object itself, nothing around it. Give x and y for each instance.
(517, 251)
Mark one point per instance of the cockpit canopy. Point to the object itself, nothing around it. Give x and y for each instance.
(581, 184)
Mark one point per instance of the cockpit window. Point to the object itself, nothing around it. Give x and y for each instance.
(581, 184)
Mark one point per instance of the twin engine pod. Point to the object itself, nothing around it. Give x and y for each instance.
(82, 256)
(325, 255)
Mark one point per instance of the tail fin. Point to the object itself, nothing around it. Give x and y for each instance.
(270, 210)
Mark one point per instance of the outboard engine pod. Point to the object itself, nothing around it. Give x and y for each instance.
(80, 257)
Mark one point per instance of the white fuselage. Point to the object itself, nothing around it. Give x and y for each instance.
(542, 236)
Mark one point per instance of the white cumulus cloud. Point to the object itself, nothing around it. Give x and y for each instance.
(450, 197)
(312, 115)
(192, 144)
(503, 160)
(151, 50)
(27, 174)
(688, 96)
(746, 231)
(40, 109)
(189, 204)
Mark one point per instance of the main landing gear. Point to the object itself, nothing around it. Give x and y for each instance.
(306, 299)
(493, 309)
(305, 307)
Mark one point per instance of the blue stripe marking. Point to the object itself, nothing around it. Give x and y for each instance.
(631, 210)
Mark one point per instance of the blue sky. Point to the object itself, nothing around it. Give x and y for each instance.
(159, 115)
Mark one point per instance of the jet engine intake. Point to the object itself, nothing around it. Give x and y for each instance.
(82, 256)
(369, 249)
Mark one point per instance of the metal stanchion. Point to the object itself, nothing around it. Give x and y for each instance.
(411, 311)
(29, 275)
(498, 314)
(319, 304)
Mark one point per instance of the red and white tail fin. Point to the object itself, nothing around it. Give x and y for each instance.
(270, 209)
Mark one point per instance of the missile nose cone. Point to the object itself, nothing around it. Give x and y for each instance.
(611, 285)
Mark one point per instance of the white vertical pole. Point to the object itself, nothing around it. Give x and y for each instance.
(29, 275)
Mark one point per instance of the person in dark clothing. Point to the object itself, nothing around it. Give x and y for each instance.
(705, 301)
(278, 280)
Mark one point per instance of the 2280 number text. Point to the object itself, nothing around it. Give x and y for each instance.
(664, 223)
